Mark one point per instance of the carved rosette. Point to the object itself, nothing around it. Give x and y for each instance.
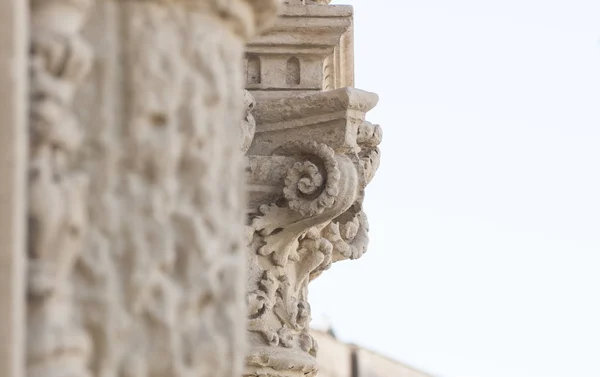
(305, 212)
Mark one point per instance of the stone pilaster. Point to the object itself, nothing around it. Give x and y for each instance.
(136, 200)
(310, 160)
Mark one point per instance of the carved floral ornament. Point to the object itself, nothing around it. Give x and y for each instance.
(305, 213)
(103, 299)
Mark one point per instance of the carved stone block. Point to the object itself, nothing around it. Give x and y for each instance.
(332, 118)
(308, 49)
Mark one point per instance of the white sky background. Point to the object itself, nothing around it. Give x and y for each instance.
(485, 213)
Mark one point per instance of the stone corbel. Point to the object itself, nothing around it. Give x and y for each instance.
(310, 160)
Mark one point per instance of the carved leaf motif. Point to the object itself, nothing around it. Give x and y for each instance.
(317, 256)
(303, 316)
(368, 138)
(317, 220)
(349, 239)
(263, 299)
(268, 334)
(308, 344)
(256, 304)
(369, 135)
(311, 187)
(286, 337)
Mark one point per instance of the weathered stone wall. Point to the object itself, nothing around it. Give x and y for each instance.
(338, 359)
(334, 357)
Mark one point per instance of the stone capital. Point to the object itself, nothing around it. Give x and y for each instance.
(307, 168)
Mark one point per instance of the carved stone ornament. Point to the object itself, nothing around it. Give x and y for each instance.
(59, 60)
(309, 49)
(248, 124)
(136, 187)
(310, 161)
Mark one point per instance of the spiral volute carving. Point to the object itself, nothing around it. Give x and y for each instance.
(311, 186)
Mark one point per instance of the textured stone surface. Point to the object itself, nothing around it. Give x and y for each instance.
(308, 49)
(308, 166)
(59, 61)
(136, 199)
(13, 195)
(311, 158)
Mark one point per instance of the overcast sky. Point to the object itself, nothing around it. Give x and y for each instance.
(485, 213)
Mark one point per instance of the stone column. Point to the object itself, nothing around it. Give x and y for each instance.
(13, 161)
(136, 184)
(311, 158)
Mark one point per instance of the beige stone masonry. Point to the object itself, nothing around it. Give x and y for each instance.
(308, 49)
(338, 359)
(311, 157)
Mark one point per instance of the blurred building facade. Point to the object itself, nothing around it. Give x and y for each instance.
(339, 359)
